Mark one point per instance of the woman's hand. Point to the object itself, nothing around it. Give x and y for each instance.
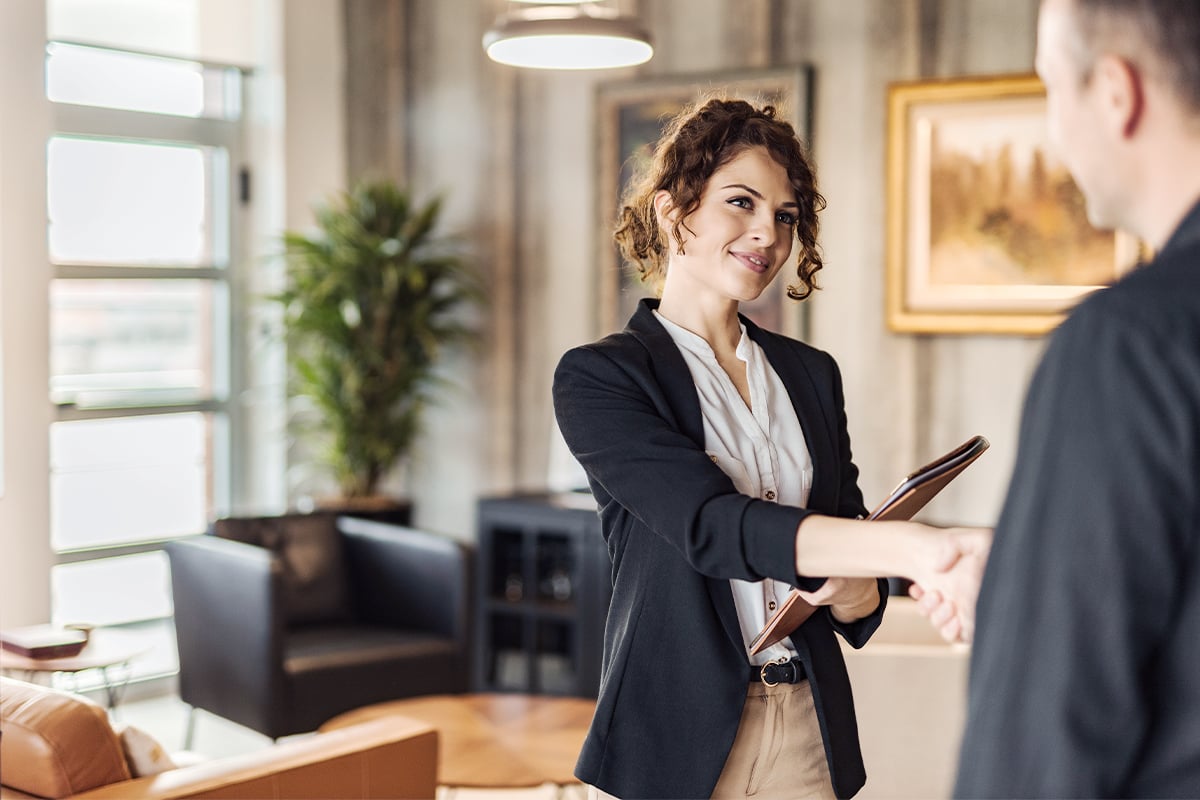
(849, 599)
(947, 589)
(946, 563)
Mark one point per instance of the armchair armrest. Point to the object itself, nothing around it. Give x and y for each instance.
(228, 625)
(407, 577)
(394, 757)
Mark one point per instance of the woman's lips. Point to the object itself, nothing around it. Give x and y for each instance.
(753, 261)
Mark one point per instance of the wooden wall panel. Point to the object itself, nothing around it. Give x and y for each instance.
(377, 87)
(517, 150)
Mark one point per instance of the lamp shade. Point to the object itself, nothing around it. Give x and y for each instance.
(567, 38)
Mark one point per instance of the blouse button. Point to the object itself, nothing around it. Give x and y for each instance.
(770, 495)
(771, 606)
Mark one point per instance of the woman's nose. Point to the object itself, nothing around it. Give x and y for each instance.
(763, 229)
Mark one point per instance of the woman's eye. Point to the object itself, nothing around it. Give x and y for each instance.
(785, 218)
(741, 202)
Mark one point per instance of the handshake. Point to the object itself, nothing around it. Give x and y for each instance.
(945, 564)
(946, 591)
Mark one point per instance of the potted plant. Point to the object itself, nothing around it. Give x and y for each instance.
(372, 300)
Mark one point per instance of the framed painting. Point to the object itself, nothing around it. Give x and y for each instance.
(986, 230)
(631, 116)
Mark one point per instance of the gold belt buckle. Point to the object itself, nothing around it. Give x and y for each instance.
(762, 673)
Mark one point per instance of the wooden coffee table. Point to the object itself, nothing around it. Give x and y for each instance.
(494, 740)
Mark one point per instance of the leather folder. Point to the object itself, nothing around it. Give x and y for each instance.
(905, 500)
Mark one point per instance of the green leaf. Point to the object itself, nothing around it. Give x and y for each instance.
(373, 298)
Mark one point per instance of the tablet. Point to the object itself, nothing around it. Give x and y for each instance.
(905, 500)
(915, 491)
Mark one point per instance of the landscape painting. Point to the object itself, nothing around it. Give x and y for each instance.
(987, 231)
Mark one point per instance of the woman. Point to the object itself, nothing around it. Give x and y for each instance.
(719, 457)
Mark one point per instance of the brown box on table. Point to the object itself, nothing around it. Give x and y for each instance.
(44, 641)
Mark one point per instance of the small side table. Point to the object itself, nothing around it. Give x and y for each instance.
(108, 651)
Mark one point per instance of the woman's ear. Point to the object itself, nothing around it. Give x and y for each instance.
(664, 210)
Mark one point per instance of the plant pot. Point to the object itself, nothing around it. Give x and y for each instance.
(380, 507)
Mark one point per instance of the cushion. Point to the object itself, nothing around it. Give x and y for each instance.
(311, 553)
(54, 744)
(144, 755)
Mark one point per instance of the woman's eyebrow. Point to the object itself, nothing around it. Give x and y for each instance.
(756, 193)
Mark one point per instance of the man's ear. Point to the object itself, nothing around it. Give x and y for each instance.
(1121, 92)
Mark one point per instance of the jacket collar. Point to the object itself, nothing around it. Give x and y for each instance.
(1188, 232)
(817, 419)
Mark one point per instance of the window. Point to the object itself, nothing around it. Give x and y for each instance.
(143, 228)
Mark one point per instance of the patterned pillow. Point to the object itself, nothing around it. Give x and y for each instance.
(144, 755)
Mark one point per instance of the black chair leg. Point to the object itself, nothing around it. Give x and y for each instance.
(189, 735)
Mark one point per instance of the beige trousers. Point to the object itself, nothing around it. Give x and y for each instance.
(778, 753)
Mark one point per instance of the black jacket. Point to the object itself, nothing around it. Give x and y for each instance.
(1084, 669)
(675, 667)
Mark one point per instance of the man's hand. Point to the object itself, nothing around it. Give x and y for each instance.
(946, 593)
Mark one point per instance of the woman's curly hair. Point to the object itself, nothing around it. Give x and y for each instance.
(700, 140)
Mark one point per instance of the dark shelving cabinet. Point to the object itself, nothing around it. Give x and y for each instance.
(544, 584)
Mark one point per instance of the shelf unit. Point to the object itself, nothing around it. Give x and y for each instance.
(543, 589)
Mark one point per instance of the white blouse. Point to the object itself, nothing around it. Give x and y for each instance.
(761, 448)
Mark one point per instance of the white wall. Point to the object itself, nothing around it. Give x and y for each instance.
(298, 142)
(24, 273)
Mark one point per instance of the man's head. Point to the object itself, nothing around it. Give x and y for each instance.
(1102, 62)
(1160, 37)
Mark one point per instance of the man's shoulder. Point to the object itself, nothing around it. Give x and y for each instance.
(1161, 296)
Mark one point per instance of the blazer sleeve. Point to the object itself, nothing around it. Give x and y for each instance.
(617, 423)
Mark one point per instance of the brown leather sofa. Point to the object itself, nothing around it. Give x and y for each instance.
(58, 745)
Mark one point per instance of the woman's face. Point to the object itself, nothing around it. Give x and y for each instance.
(741, 233)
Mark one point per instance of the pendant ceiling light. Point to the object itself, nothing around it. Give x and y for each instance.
(571, 35)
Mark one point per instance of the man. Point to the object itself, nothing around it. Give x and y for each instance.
(1085, 673)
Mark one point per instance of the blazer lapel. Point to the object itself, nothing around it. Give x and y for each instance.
(675, 380)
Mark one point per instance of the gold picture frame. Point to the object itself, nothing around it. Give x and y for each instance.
(630, 117)
(986, 230)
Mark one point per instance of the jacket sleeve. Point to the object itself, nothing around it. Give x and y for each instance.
(859, 632)
(618, 425)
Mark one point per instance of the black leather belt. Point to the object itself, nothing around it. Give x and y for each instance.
(781, 670)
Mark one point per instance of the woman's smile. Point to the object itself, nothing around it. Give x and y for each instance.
(753, 261)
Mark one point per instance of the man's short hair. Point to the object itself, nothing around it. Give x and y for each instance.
(1162, 37)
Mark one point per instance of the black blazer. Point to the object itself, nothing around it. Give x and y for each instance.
(675, 667)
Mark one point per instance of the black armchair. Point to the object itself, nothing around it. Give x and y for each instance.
(283, 622)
